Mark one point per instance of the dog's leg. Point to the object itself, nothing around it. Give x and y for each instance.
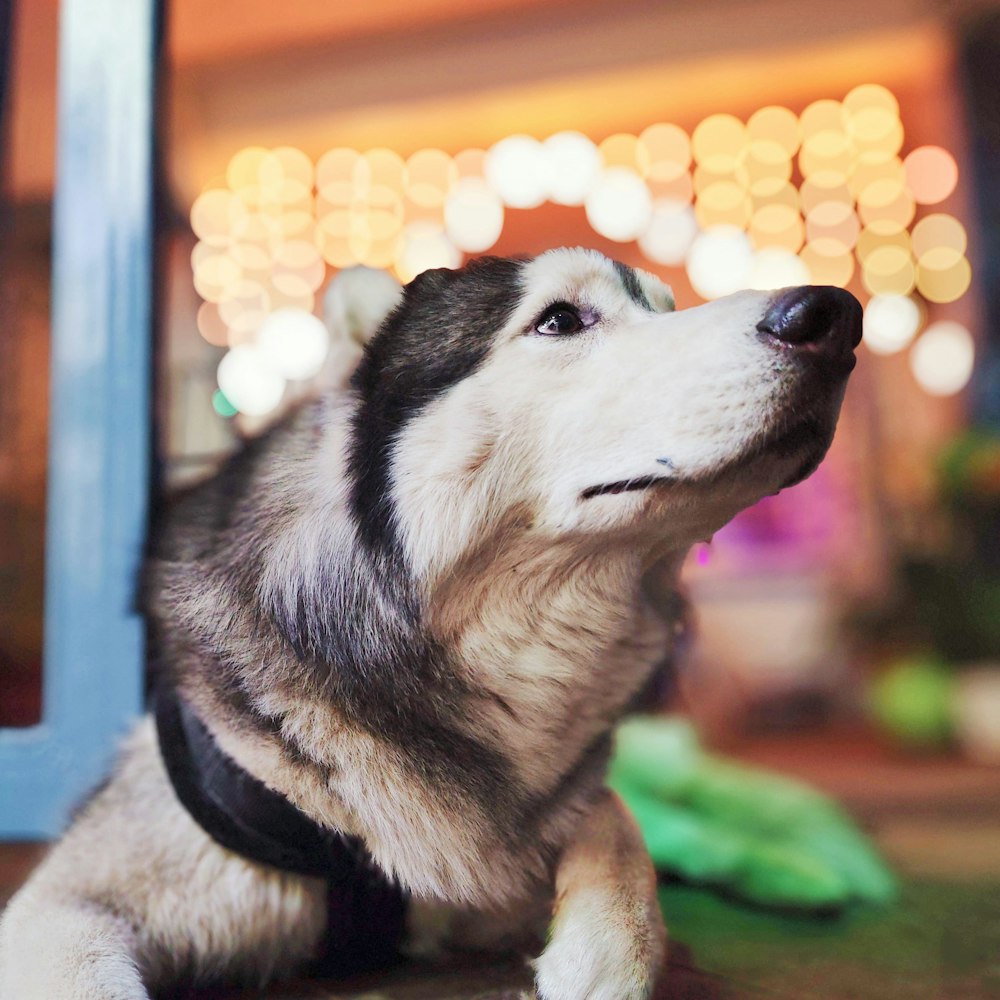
(436, 931)
(62, 951)
(607, 937)
(136, 897)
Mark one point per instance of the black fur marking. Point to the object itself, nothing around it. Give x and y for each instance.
(623, 486)
(630, 280)
(366, 910)
(347, 628)
(438, 335)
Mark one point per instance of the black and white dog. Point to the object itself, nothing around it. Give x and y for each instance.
(393, 636)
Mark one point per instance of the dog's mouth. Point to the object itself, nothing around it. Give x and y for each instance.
(810, 436)
(624, 486)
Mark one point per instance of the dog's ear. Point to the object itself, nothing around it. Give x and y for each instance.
(356, 303)
(660, 295)
(433, 279)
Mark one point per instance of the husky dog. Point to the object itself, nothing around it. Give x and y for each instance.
(406, 621)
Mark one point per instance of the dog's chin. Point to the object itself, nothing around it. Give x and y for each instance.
(803, 446)
(784, 457)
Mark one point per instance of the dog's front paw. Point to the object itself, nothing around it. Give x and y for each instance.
(601, 952)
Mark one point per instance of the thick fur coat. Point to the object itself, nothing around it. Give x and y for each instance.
(417, 608)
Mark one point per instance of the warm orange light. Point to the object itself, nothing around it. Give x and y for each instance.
(337, 174)
(268, 230)
(723, 203)
(828, 262)
(777, 226)
(833, 220)
(211, 325)
(625, 150)
(215, 214)
(718, 142)
(888, 270)
(245, 306)
(775, 125)
(931, 173)
(945, 283)
(471, 163)
(430, 173)
(668, 149)
(939, 230)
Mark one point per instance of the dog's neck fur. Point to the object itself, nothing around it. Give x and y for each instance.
(473, 695)
(553, 633)
(559, 633)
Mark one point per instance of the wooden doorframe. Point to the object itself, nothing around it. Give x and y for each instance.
(101, 414)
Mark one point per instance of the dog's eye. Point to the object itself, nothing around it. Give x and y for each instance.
(560, 320)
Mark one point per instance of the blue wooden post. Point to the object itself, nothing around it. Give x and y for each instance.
(101, 415)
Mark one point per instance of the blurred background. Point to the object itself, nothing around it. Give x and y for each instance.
(719, 144)
(847, 630)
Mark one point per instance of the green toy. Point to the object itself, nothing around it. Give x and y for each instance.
(912, 700)
(762, 837)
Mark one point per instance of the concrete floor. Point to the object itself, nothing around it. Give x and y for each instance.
(938, 820)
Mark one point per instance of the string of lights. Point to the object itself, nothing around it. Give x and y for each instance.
(780, 199)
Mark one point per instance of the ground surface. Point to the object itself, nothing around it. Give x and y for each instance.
(938, 821)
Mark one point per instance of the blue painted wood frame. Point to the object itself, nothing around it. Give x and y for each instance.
(99, 441)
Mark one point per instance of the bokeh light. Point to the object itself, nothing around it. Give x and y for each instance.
(828, 262)
(931, 173)
(272, 227)
(429, 175)
(872, 238)
(574, 163)
(670, 233)
(776, 125)
(222, 406)
(943, 357)
(215, 215)
(473, 215)
(518, 169)
(619, 205)
(718, 142)
(471, 163)
(835, 221)
(216, 274)
(248, 380)
(424, 246)
(385, 168)
(939, 231)
(298, 268)
(211, 325)
(338, 174)
(888, 270)
(886, 202)
(719, 262)
(723, 203)
(294, 343)
(943, 284)
(872, 118)
(820, 189)
(777, 225)
(244, 169)
(668, 149)
(776, 267)
(764, 168)
(625, 150)
(245, 307)
(890, 323)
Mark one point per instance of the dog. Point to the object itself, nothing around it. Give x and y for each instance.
(399, 628)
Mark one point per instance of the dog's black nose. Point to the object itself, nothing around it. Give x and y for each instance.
(816, 319)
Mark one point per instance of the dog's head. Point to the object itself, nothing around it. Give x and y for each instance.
(568, 390)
